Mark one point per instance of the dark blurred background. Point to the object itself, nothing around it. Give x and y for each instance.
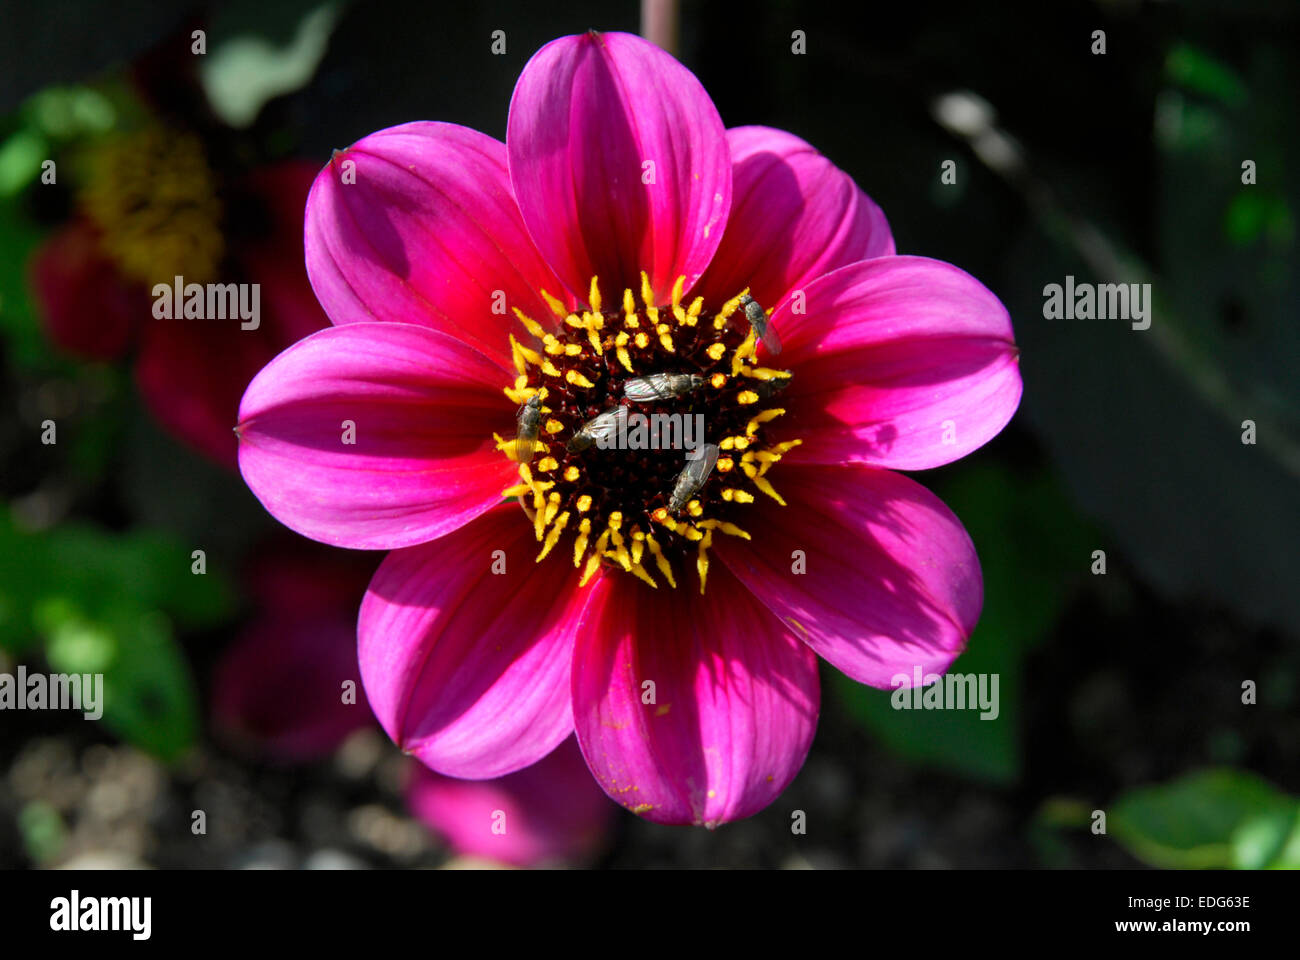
(1162, 692)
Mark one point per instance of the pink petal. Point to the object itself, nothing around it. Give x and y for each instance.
(550, 811)
(794, 217)
(588, 114)
(429, 233)
(735, 700)
(423, 463)
(466, 668)
(891, 578)
(900, 362)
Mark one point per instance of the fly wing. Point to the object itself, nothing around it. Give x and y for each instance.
(642, 389)
(702, 466)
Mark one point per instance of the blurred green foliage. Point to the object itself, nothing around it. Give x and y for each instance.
(97, 602)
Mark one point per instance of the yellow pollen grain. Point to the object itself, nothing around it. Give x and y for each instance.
(554, 426)
(641, 340)
(571, 474)
(552, 346)
(531, 325)
(746, 397)
(724, 465)
(547, 464)
(593, 297)
(694, 509)
(584, 504)
(666, 339)
(715, 352)
(575, 321)
(578, 380)
(737, 496)
(572, 349)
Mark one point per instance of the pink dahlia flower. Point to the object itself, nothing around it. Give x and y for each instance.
(547, 813)
(672, 619)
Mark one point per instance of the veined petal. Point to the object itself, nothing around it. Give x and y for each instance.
(620, 163)
(418, 224)
(900, 362)
(794, 217)
(549, 811)
(465, 667)
(700, 710)
(890, 578)
(375, 435)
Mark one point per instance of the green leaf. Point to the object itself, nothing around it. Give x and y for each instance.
(105, 604)
(148, 693)
(1212, 819)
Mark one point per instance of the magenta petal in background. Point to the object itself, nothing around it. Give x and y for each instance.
(900, 362)
(550, 811)
(794, 216)
(891, 580)
(466, 668)
(423, 463)
(736, 700)
(278, 691)
(588, 114)
(427, 234)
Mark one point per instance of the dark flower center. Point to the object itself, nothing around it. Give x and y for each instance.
(643, 431)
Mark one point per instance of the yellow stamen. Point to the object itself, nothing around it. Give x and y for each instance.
(578, 380)
(553, 537)
(766, 486)
(580, 544)
(531, 325)
(593, 298)
(702, 564)
(661, 561)
(556, 306)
